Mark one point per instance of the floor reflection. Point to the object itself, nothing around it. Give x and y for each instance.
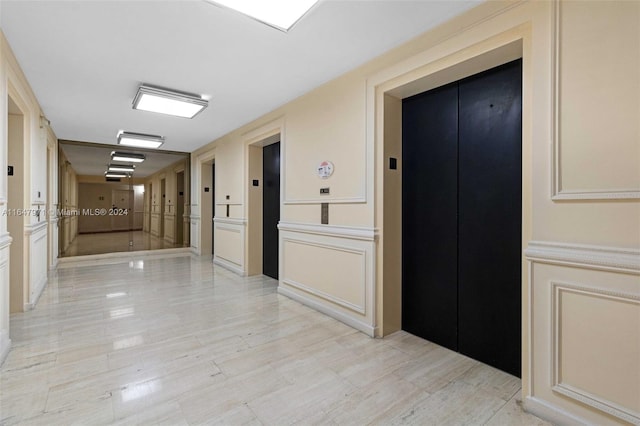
(111, 242)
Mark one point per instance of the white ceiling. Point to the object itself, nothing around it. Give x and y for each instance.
(85, 58)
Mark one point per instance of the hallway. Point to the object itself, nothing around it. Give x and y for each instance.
(174, 339)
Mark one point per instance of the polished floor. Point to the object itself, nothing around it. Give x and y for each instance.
(113, 242)
(172, 339)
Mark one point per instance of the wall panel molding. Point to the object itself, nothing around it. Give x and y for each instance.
(5, 241)
(225, 256)
(350, 232)
(604, 258)
(359, 308)
(558, 191)
(326, 251)
(558, 382)
(229, 221)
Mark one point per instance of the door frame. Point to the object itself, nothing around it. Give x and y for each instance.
(384, 93)
(254, 142)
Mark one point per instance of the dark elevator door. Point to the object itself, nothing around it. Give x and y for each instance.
(270, 208)
(466, 298)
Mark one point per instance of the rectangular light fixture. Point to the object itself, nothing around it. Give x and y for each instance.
(139, 140)
(127, 157)
(280, 14)
(114, 175)
(170, 102)
(109, 179)
(127, 168)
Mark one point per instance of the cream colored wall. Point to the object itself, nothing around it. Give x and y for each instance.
(390, 294)
(580, 200)
(35, 191)
(15, 223)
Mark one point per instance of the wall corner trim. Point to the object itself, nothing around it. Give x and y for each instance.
(614, 259)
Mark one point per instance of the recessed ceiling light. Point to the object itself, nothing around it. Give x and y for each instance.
(170, 102)
(128, 168)
(114, 175)
(139, 140)
(280, 14)
(127, 157)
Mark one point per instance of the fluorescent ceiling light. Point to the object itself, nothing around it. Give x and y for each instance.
(127, 157)
(280, 14)
(170, 102)
(111, 179)
(127, 168)
(114, 175)
(139, 140)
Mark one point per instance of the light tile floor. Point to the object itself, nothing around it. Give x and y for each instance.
(175, 340)
(113, 242)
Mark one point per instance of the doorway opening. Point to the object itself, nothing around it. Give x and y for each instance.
(394, 218)
(163, 196)
(461, 216)
(264, 205)
(180, 208)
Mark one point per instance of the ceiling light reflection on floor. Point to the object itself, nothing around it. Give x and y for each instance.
(136, 264)
(121, 313)
(139, 390)
(128, 342)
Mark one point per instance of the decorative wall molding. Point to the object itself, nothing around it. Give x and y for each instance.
(5, 345)
(360, 309)
(328, 310)
(227, 264)
(557, 191)
(355, 308)
(350, 232)
(5, 241)
(229, 221)
(344, 303)
(585, 256)
(334, 200)
(551, 413)
(35, 228)
(566, 389)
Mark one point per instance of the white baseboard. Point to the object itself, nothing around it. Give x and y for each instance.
(5, 346)
(230, 266)
(333, 313)
(551, 413)
(31, 305)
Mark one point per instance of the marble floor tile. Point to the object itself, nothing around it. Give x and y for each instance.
(174, 340)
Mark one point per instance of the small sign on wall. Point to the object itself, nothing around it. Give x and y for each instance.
(325, 169)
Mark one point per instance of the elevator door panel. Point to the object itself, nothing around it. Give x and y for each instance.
(462, 216)
(429, 197)
(489, 214)
(271, 209)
